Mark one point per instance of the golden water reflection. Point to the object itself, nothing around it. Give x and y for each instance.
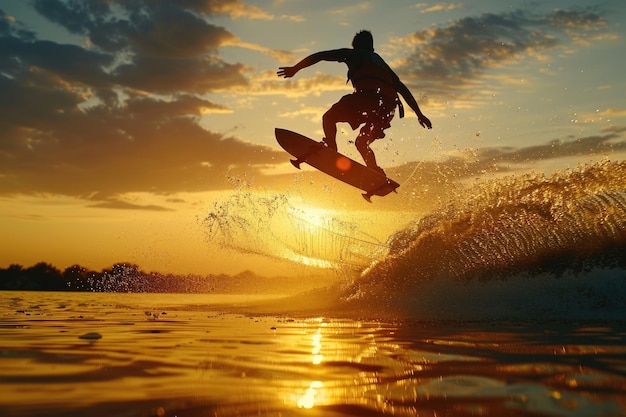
(308, 399)
(195, 360)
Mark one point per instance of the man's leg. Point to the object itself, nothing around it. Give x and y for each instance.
(362, 143)
(346, 111)
(330, 119)
(329, 124)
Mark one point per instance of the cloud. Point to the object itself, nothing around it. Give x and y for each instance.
(143, 145)
(351, 10)
(267, 83)
(122, 205)
(277, 54)
(452, 57)
(115, 24)
(235, 9)
(589, 145)
(612, 142)
(9, 26)
(162, 75)
(120, 114)
(425, 8)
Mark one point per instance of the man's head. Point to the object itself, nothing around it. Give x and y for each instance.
(363, 40)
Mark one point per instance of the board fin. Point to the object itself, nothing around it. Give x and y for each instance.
(311, 151)
(296, 162)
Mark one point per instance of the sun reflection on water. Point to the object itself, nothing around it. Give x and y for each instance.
(317, 347)
(308, 399)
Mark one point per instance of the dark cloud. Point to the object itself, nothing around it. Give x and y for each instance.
(452, 56)
(155, 46)
(9, 27)
(173, 32)
(70, 63)
(163, 75)
(144, 145)
(155, 28)
(122, 205)
(609, 143)
(119, 113)
(504, 159)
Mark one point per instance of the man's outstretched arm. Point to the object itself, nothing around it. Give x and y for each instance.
(338, 55)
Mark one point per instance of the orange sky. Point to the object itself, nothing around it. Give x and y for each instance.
(124, 125)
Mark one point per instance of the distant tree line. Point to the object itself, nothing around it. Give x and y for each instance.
(127, 277)
(121, 277)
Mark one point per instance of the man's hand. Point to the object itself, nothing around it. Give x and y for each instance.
(424, 121)
(286, 72)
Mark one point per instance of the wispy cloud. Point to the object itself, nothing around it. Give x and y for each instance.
(351, 9)
(267, 83)
(122, 205)
(441, 7)
(450, 57)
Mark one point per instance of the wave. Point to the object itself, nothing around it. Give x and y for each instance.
(527, 246)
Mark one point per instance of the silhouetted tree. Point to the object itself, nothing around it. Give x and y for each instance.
(46, 277)
(12, 278)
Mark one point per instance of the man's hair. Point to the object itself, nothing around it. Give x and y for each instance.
(363, 40)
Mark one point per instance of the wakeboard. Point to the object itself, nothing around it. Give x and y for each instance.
(335, 164)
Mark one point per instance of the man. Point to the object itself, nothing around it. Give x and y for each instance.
(375, 96)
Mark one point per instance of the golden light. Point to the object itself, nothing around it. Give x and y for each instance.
(310, 237)
(308, 260)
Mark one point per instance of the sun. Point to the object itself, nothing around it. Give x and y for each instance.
(315, 216)
(312, 239)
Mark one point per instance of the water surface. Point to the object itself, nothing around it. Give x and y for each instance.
(103, 354)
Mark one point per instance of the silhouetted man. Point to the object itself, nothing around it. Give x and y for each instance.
(375, 96)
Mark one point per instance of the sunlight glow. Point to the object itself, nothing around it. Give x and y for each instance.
(308, 261)
(315, 216)
(310, 238)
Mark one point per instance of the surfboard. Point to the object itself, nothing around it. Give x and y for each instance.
(334, 164)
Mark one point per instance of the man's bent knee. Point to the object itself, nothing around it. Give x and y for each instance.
(363, 142)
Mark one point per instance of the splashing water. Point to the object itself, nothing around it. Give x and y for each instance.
(536, 242)
(271, 226)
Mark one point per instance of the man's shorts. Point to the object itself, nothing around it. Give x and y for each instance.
(369, 107)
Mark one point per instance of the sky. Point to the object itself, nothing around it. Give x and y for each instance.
(137, 131)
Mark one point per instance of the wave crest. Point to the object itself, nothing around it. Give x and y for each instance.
(567, 224)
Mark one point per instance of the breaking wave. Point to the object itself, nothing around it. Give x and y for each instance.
(530, 246)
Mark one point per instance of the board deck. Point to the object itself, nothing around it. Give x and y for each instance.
(334, 164)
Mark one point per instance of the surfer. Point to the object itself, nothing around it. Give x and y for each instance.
(373, 101)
